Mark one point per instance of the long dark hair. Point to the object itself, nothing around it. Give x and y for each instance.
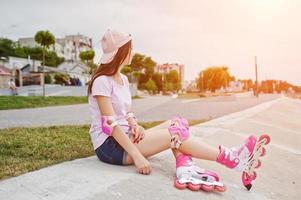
(111, 68)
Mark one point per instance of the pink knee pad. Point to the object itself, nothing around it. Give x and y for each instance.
(107, 124)
(179, 126)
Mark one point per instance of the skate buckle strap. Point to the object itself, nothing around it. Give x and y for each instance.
(175, 143)
(183, 160)
(225, 157)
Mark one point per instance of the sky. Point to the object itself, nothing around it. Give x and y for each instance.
(196, 33)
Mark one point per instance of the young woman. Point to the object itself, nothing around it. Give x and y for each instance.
(119, 139)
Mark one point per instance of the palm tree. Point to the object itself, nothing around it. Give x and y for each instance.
(88, 56)
(45, 39)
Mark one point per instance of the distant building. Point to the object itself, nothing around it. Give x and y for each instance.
(5, 76)
(166, 68)
(28, 71)
(75, 70)
(68, 47)
(21, 68)
(27, 42)
(235, 86)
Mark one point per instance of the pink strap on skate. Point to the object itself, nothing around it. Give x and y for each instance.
(183, 160)
(224, 158)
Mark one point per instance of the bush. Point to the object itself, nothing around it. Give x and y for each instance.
(48, 79)
(60, 78)
(202, 95)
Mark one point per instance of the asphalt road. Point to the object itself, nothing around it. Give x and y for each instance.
(149, 108)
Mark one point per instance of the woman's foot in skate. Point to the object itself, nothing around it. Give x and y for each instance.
(237, 157)
(188, 175)
(245, 157)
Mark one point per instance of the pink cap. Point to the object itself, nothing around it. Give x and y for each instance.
(111, 42)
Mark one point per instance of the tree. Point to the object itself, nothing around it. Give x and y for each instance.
(127, 70)
(158, 79)
(150, 86)
(173, 77)
(137, 62)
(11, 48)
(214, 78)
(136, 75)
(45, 39)
(143, 78)
(87, 57)
(60, 78)
(48, 79)
(148, 65)
(145, 65)
(7, 47)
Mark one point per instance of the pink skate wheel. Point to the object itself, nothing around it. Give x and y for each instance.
(265, 137)
(258, 164)
(207, 188)
(220, 188)
(247, 179)
(249, 186)
(263, 152)
(193, 187)
(180, 186)
(253, 176)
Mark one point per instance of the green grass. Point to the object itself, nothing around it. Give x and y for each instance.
(18, 102)
(136, 97)
(191, 96)
(27, 149)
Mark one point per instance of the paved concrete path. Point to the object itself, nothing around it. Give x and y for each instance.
(90, 179)
(149, 108)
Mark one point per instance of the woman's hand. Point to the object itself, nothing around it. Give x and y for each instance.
(142, 165)
(138, 133)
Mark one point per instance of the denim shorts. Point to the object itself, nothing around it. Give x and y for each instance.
(111, 152)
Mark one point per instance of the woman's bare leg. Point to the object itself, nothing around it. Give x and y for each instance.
(156, 141)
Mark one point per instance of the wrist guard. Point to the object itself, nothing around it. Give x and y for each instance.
(130, 115)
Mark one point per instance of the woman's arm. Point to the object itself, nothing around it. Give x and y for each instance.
(106, 109)
(137, 131)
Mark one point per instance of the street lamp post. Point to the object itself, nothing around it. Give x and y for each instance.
(256, 74)
(43, 68)
(202, 83)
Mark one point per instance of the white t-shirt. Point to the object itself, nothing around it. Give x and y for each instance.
(11, 84)
(121, 101)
